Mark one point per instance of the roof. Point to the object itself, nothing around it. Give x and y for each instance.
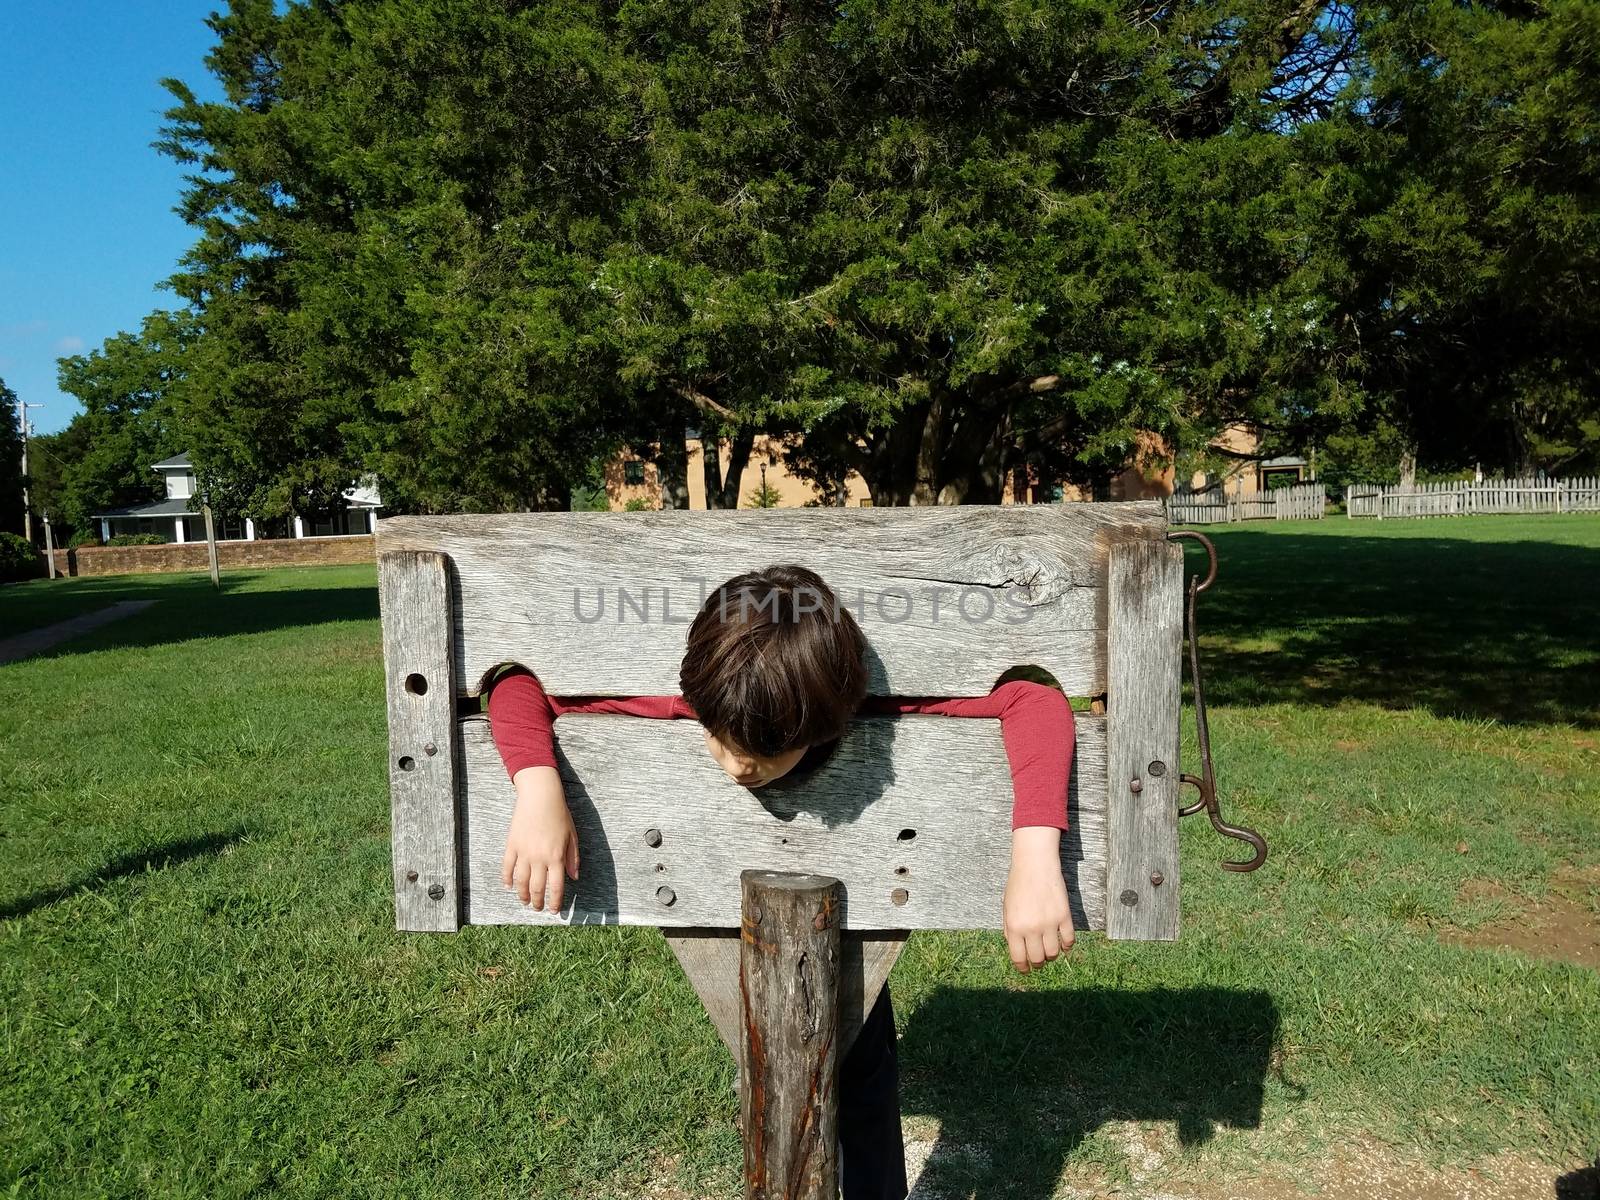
(162, 508)
(1287, 460)
(176, 462)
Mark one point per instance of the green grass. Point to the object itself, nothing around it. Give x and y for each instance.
(206, 996)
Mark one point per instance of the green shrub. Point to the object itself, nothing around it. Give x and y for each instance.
(638, 504)
(18, 559)
(84, 537)
(137, 539)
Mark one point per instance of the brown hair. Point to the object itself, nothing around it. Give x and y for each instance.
(773, 662)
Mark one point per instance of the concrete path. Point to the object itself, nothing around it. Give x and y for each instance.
(37, 641)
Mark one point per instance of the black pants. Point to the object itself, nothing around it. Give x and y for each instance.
(872, 1160)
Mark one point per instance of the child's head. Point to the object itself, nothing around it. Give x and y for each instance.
(773, 667)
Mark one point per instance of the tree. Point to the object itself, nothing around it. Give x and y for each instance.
(10, 461)
(1478, 247)
(477, 246)
(129, 391)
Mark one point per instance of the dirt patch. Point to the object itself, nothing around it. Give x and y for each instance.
(1375, 1172)
(1358, 1170)
(1562, 926)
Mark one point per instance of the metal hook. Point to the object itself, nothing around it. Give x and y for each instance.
(1206, 782)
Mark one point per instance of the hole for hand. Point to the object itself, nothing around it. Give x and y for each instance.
(907, 834)
(899, 896)
(416, 684)
(407, 763)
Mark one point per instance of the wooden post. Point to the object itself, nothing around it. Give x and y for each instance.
(49, 547)
(789, 991)
(1144, 656)
(211, 545)
(419, 657)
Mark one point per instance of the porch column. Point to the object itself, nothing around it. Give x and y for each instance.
(249, 530)
(177, 530)
(299, 528)
(372, 520)
(105, 530)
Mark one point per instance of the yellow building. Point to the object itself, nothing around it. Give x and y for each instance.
(1149, 475)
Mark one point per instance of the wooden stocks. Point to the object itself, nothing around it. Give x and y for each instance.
(789, 993)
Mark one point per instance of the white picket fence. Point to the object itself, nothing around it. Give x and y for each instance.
(1461, 498)
(1302, 502)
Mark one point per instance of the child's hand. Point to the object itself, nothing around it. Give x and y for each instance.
(1038, 920)
(542, 842)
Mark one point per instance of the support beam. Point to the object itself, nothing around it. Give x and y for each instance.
(1143, 661)
(789, 983)
(414, 595)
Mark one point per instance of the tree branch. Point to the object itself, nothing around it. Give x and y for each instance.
(704, 402)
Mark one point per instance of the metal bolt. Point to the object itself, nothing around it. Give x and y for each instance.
(652, 838)
(1158, 768)
(430, 749)
(1136, 786)
(436, 892)
(667, 896)
(899, 896)
(1157, 878)
(411, 876)
(1130, 897)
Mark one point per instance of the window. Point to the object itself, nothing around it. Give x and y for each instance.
(633, 472)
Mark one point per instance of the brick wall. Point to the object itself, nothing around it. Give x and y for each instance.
(191, 556)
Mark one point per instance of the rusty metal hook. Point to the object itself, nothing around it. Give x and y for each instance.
(1206, 782)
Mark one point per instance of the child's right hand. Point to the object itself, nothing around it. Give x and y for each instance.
(542, 843)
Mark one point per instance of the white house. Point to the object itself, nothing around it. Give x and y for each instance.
(175, 520)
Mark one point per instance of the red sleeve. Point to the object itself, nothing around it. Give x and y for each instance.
(522, 717)
(1037, 727)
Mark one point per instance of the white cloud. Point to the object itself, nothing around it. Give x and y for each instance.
(69, 345)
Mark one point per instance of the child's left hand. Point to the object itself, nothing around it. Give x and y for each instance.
(1038, 919)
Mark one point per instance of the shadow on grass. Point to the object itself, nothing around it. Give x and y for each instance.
(188, 607)
(1019, 1079)
(1464, 628)
(156, 858)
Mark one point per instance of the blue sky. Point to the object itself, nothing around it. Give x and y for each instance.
(87, 231)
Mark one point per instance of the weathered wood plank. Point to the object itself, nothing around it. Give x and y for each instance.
(414, 596)
(1142, 740)
(949, 598)
(914, 809)
(789, 980)
(710, 958)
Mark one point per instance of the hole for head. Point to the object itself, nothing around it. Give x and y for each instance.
(907, 834)
(899, 896)
(417, 684)
(407, 763)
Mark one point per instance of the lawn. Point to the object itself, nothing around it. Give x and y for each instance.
(207, 996)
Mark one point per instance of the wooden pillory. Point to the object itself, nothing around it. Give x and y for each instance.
(906, 826)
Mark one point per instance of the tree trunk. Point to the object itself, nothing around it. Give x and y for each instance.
(672, 465)
(738, 458)
(722, 490)
(1408, 466)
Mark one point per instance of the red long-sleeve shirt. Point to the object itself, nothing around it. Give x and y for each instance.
(1035, 725)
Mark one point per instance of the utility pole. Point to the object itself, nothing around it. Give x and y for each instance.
(27, 503)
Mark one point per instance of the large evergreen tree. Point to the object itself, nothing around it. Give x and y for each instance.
(128, 389)
(475, 245)
(10, 461)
